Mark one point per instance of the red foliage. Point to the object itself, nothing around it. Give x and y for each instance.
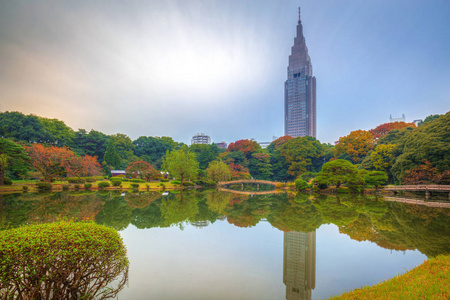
(426, 174)
(245, 146)
(383, 129)
(239, 172)
(142, 168)
(281, 140)
(57, 162)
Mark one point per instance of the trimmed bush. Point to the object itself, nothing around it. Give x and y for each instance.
(187, 183)
(89, 179)
(175, 182)
(87, 185)
(46, 261)
(7, 181)
(44, 186)
(77, 186)
(25, 188)
(301, 185)
(116, 182)
(136, 180)
(164, 180)
(103, 184)
(65, 187)
(76, 180)
(162, 185)
(134, 185)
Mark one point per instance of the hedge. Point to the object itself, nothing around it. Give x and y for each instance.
(48, 260)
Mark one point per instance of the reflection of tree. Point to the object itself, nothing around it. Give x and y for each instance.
(247, 211)
(290, 215)
(336, 210)
(217, 201)
(148, 217)
(115, 213)
(140, 199)
(183, 207)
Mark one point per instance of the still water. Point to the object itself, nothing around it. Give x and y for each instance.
(220, 245)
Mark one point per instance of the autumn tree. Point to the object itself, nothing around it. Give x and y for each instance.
(278, 142)
(13, 159)
(383, 129)
(218, 171)
(181, 164)
(143, 169)
(56, 162)
(355, 146)
(425, 173)
(247, 147)
(239, 171)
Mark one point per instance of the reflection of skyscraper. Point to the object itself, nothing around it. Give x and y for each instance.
(299, 264)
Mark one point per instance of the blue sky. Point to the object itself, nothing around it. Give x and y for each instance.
(176, 68)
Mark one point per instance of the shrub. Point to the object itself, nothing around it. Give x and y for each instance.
(301, 185)
(87, 185)
(47, 261)
(25, 188)
(117, 179)
(44, 186)
(65, 187)
(136, 180)
(322, 186)
(175, 182)
(162, 185)
(103, 184)
(134, 185)
(116, 182)
(7, 181)
(187, 183)
(76, 180)
(164, 180)
(89, 179)
(77, 186)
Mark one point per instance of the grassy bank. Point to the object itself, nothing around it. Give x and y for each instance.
(430, 280)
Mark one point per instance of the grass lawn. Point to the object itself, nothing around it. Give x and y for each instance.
(430, 280)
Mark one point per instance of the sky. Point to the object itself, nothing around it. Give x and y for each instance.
(177, 68)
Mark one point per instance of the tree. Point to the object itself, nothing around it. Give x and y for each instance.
(425, 173)
(382, 157)
(181, 164)
(93, 143)
(62, 135)
(19, 127)
(57, 162)
(218, 171)
(278, 142)
(383, 129)
(260, 166)
(429, 118)
(13, 159)
(152, 147)
(338, 171)
(356, 145)
(300, 184)
(205, 154)
(302, 154)
(143, 169)
(111, 157)
(247, 147)
(376, 178)
(428, 142)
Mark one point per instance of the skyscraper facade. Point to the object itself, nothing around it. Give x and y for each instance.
(300, 90)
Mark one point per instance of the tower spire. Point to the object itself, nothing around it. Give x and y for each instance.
(299, 19)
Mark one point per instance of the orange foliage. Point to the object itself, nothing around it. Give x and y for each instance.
(383, 129)
(56, 162)
(356, 145)
(281, 140)
(143, 169)
(245, 146)
(239, 171)
(426, 174)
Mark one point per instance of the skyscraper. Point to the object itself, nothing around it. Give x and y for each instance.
(300, 90)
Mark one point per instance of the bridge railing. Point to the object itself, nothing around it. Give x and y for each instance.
(248, 181)
(419, 187)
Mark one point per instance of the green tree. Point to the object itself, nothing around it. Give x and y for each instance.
(260, 167)
(13, 159)
(376, 178)
(181, 164)
(205, 154)
(19, 127)
(93, 143)
(111, 156)
(62, 134)
(337, 172)
(383, 157)
(218, 171)
(429, 118)
(152, 147)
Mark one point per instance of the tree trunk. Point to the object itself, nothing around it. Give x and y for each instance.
(2, 176)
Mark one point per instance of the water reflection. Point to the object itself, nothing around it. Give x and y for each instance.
(299, 264)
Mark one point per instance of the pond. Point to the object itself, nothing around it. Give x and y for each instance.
(220, 245)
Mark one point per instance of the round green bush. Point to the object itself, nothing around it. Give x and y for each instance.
(136, 180)
(87, 185)
(116, 182)
(7, 181)
(76, 180)
(301, 185)
(89, 179)
(134, 185)
(65, 187)
(187, 183)
(44, 186)
(175, 182)
(103, 184)
(63, 260)
(164, 180)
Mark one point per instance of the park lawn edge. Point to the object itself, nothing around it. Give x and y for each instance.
(430, 280)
